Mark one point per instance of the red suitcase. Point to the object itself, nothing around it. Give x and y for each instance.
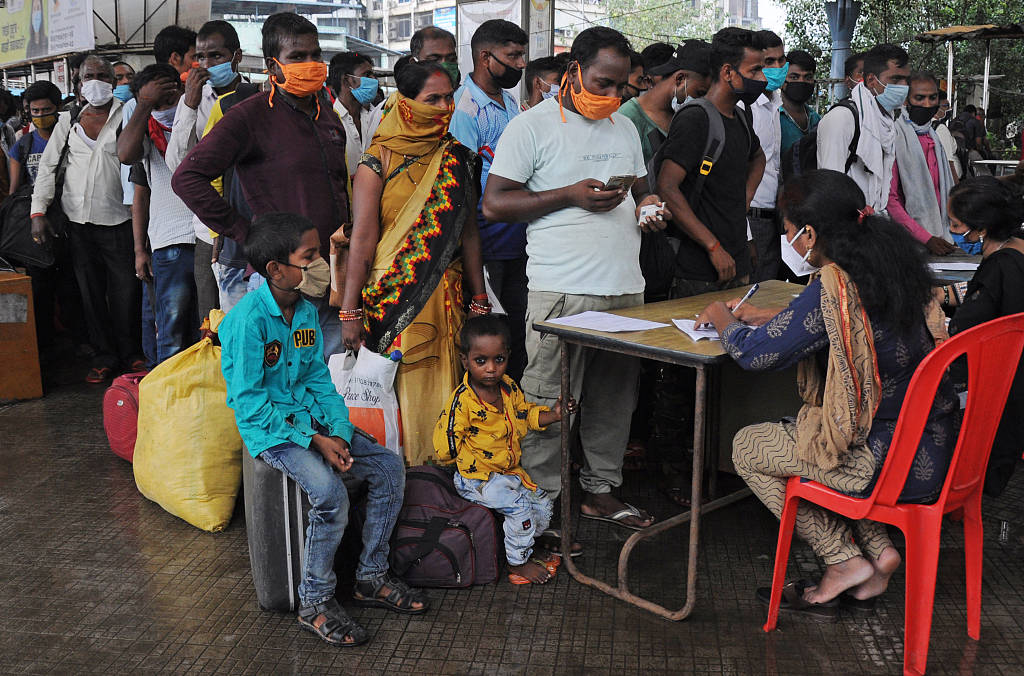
(121, 414)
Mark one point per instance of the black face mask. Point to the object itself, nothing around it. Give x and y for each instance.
(509, 78)
(798, 92)
(921, 115)
(751, 91)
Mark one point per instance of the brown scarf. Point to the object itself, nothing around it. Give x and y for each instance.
(839, 406)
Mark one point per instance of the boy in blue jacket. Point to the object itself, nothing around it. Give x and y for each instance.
(291, 417)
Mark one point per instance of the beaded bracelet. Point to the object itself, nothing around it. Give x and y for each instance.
(479, 309)
(351, 315)
(715, 247)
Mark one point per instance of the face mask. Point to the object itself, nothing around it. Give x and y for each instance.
(792, 258)
(453, 72)
(798, 92)
(551, 93)
(751, 90)
(893, 96)
(165, 117)
(589, 105)
(302, 79)
(123, 92)
(509, 78)
(366, 90)
(45, 121)
(37, 21)
(316, 277)
(222, 74)
(972, 248)
(776, 76)
(97, 92)
(921, 115)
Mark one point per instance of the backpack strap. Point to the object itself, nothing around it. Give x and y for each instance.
(425, 544)
(713, 147)
(849, 104)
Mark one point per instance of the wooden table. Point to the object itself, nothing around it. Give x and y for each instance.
(672, 346)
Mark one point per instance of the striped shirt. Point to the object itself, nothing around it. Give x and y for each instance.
(170, 221)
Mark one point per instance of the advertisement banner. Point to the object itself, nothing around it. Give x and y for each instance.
(36, 29)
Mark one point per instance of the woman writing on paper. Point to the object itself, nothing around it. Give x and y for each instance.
(856, 334)
(414, 238)
(990, 212)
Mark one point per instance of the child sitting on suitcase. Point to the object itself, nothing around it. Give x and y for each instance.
(291, 417)
(480, 429)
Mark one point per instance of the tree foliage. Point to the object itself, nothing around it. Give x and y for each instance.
(648, 21)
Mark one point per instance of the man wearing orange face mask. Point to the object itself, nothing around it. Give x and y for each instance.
(551, 170)
(287, 147)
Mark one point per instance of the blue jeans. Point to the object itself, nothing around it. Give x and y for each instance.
(231, 285)
(148, 325)
(330, 324)
(177, 320)
(527, 512)
(384, 473)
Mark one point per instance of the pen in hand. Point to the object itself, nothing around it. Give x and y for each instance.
(743, 300)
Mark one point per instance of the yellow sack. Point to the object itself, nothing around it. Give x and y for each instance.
(188, 456)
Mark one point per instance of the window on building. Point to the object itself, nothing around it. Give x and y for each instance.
(400, 27)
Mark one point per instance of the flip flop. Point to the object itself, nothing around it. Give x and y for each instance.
(551, 540)
(551, 566)
(793, 602)
(618, 517)
(858, 606)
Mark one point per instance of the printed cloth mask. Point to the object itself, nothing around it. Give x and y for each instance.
(509, 78)
(960, 239)
(776, 76)
(893, 96)
(367, 89)
(551, 93)
(799, 92)
(453, 72)
(122, 92)
(316, 277)
(792, 258)
(45, 121)
(921, 116)
(589, 105)
(302, 79)
(751, 90)
(97, 92)
(222, 74)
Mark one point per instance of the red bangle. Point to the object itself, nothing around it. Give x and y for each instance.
(36, 214)
(715, 247)
(480, 296)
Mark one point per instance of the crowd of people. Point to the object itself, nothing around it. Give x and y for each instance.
(621, 177)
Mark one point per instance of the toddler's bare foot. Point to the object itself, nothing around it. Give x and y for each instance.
(534, 572)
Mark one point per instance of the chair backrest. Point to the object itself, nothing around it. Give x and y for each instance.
(993, 350)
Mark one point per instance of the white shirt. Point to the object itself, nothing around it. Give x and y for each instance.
(765, 112)
(170, 221)
(127, 109)
(357, 138)
(188, 127)
(92, 185)
(949, 146)
(573, 250)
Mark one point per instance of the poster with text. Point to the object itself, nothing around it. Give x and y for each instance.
(36, 29)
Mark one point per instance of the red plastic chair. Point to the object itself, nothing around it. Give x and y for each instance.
(993, 350)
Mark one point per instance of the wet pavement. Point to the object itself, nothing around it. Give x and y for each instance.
(94, 578)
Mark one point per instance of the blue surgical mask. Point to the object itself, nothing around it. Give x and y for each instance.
(37, 21)
(893, 96)
(222, 74)
(973, 248)
(366, 90)
(123, 92)
(776, 76)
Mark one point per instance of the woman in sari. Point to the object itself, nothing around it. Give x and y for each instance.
(414, 238)
(857, 334)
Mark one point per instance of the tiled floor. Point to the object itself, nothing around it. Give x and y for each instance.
(94, 578)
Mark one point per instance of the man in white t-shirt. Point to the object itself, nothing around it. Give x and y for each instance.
(550, 170)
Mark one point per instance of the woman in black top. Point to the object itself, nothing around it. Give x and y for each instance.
(992, 211)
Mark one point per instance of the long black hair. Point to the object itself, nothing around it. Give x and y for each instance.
(888, 266)
(990, 204)
(410, 76)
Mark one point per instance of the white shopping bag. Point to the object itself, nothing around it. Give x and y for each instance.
(367, 382)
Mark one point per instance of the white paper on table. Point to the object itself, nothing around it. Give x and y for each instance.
(689, 327)
(604, 321)
(937, 267)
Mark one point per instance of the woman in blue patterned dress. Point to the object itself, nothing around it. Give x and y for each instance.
(857, 334)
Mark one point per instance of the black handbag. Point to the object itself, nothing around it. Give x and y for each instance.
(16, 221)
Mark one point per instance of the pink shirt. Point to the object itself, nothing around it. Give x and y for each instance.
(896, 207)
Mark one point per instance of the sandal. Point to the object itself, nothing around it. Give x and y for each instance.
(619, 518)
(336, 627)
(400, 598)
(98, 375)
(793, 602)
(551, 566)
(858, 606)
(551, 540)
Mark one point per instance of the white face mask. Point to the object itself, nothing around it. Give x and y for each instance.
(551, 93)
(792, 258)
(165, 117)
(97, 92)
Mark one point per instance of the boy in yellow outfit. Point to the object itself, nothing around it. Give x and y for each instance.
(480, 430)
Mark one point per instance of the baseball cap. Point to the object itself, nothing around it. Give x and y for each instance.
(690, 55)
